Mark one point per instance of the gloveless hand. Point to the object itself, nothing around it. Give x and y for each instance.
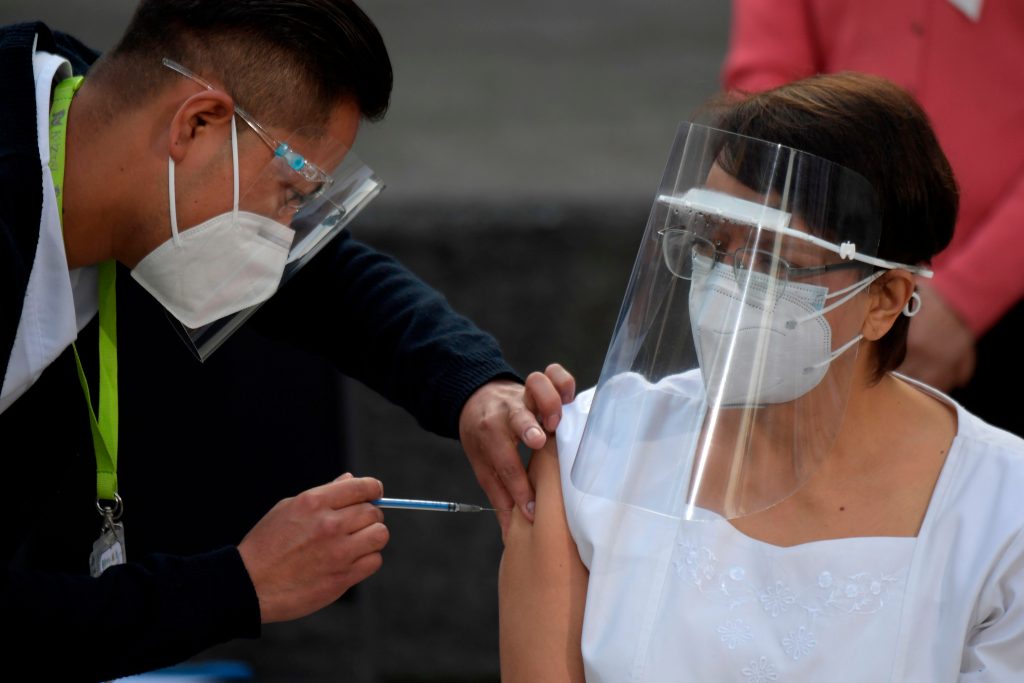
(310, 549)
(496, 418)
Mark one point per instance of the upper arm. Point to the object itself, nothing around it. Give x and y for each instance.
(542, 586)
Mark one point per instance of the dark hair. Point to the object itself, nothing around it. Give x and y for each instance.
(874, 127)
(286, 61)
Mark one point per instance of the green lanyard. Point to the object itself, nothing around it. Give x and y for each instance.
(104, 428)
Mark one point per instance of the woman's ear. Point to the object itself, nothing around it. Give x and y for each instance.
(200, 124)
(889, 294)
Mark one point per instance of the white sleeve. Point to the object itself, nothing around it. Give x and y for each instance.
(568, 436)
(995, 649)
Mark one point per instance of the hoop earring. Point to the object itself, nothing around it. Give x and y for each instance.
(911, 311)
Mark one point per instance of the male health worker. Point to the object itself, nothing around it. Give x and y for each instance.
(205, 160)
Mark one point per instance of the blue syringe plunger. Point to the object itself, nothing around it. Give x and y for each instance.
(429, 505)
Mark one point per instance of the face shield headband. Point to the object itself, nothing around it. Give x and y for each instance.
(726, 207)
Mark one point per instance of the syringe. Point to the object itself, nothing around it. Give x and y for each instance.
(429, 505)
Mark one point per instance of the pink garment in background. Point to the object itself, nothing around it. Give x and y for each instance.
(968, 76)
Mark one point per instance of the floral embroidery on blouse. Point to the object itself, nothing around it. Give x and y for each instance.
(698, 562)
(772, 617)
(861, 593)
(799, 643)
(760, 671)
(777, 599)
(734, 633)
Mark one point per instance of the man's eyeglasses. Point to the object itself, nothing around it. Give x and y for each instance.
(295, 161)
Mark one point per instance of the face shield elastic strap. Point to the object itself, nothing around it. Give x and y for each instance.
(234, 176)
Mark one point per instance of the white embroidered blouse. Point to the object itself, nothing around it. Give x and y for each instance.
(702, 602)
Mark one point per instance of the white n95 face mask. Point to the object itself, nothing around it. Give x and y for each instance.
(226, 264)
(756, 350)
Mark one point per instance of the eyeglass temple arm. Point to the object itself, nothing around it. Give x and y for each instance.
(269, 140)
(827, 268)
(245, 116)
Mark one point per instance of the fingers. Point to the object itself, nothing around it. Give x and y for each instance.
(512, 475)
(303, 553)
(495, 488)
(495, 459)
(365, 546)
(564, 382)
(496, 417)
(541, 398)
(545, 394)
(496, 493)
(357, 517)
(366, 541)
(341, 532)
(343, 492)
(522, 423)
(361, 569)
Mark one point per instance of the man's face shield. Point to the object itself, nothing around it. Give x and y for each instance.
(311, 184)
(311, 201)
(727, 377)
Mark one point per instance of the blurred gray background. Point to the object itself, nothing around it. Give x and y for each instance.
(521, 152)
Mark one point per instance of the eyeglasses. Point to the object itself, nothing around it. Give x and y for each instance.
(294, 161)
(688, 255)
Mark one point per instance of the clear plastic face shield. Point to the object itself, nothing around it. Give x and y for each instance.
(728, 373)
(212, 276)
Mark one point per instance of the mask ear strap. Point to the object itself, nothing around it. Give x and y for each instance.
(911, 311)
(850, 292)
(171, 198)
(835, 354)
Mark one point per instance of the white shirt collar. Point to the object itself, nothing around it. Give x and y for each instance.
(57, 303)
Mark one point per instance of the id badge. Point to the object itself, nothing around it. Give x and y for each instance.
(108, 549)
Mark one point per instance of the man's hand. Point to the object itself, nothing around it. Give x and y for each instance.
(940, 348)
(496, 418)
(310, 549)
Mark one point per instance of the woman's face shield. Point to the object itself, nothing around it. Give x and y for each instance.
(727, 376)
(312, 184)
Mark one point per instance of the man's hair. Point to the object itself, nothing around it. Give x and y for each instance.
(877, 129)
(288, 62)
